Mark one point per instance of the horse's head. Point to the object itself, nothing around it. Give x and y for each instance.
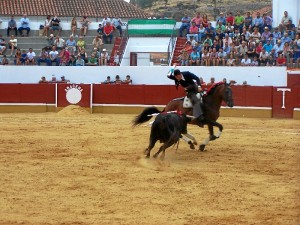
(227, 96)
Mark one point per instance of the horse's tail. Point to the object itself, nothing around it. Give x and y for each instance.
(145, 116)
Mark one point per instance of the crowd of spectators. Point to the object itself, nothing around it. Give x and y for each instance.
(118, 80)
(58, 51)
(239, 40)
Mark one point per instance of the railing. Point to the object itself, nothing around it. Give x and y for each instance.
(171, 46)
(123, 44)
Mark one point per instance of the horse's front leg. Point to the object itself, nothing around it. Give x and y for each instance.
(211, 137)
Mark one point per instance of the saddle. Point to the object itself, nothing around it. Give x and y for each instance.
(187, 103)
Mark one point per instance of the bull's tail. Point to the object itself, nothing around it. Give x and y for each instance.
(145, 116)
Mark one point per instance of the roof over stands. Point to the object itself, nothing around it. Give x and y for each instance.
(70, 8)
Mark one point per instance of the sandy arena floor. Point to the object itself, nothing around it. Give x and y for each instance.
(76, 168)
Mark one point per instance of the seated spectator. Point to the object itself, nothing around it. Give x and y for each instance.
(55, 22)
(4, 61)
(30, 59)
(246, 61)
(24, 25)
(80, 44)
(2, 45)
(205, 20)
(254, 62)
(74, 27)
(104, 57)
(92, 60)
(43, 57)
(278, 48)
(194, 58)
(255, 34)
(267, 21)
(258, 22)
(265, 35)
(291, 29)
(295, 58)
(229, 29)
(108, 30)
(23, 57)
(47, 25)
(193, 31)
(264, 57)
(53, 56)
(100, 30)
(98, 43)
(213, 57)
(210, 30)
(242, 49)
(72, 61)
(251, 49)
(59, 43)
(205, 58)
(83, 55)
(64, 57)
(287, 51)
(286, 38)
(212, 82)
(117, 23)
(50, 42)
(222, 56)
(43, 80)
(246, 34)
(185, 24)
(227, 39)
(230, 19)
(85, 22)
(277, 34)
(268, 46)
(18, 56)
(197, 19)
(201, 34)
(12, 44)
(108, 80)
(105, 20)
(226, 48)
(248, 21)
(272, 61)
(284, 21)
(79, 61)
(127, 80)
(118, 80)
(12, 25)
(221, 20)
(183, 58)
(281, 61)
(71, 45)
(239, 21)
(117, 58)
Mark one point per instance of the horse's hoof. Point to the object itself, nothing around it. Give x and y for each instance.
(213, 137)
(195, 143)
(201, 148)
(192, 146)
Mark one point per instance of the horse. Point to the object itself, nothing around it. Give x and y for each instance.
(211, 105)
(167, 128)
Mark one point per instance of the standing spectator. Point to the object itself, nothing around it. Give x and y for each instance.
(117, 23)
(13, 43)
(258, 22)
(85, 22)
(56, 25)
(197, 19)
(43, 57)
(100, 30)
(53, 56)
(79, 61)
(59, 43)
(107, 81)
(281, 61)
(221, 19)
(185, 25)
(108, 30)
(2, 45)
(246, 61)
(80, 44)
(118, 80)
(43, 80)
(211, 82)
(30, 59)
(230, 19)
(47, 26)
(18, 56)
(248, 21)
(105, 20)
(267, 21)
(284, 21)
(12, 25)
(97, 43)
(74, 27)
(104, 57)
(24, 25)
(71, 45)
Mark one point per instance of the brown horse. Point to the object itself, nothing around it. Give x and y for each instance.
(211, 105)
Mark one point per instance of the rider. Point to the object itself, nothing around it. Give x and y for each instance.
(186, 80)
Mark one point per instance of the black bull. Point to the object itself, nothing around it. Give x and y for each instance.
(166, 128)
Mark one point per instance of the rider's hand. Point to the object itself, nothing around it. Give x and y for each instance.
(200, 89)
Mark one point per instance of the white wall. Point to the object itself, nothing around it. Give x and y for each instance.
(143, 59)
(292, 6)
(156, 75)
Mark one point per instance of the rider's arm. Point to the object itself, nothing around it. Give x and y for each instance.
(170, 73)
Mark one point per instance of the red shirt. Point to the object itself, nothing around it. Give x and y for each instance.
(108, 29)
(230, 19)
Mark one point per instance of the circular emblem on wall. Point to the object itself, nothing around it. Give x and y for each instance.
(73, 93)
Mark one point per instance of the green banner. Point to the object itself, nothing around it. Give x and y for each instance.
(151, 27)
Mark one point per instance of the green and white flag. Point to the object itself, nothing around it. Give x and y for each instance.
(151, 27)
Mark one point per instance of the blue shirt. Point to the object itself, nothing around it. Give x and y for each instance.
(24, 22)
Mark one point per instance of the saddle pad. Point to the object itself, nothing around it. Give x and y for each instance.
(187, 103)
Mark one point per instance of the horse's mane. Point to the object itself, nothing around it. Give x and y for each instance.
(212, 88)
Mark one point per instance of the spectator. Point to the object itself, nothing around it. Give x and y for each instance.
(255, 34)
(117, 23)
(105, 20)
(53, 79)
(202, 82)
(210, 30)
(72, 61)
(63, 80)
(71, 45)
(205, 20)
(193, 32)
(230, 19)
(246, 61)
(2, 45)
(53, 56)
(258, 22)
(107, 81)
(18, 56)
(285, 38)
(221, 19)
(80, 44)
(51, 42)
(24, 25)
(23, 57)
(272, 40)
(222, 56)
(98, 43)
(74, 27)
(30, 59)
(281, 61)
(55, 22)
(194, 58)
(117, 58)
(227, 39)
(229, 29)
(85, 22)
(265, 35)
(108, 30)
(242, 49)
(284, 21)
(80, 61)
(295, 58)
(104, 57)
(4, 61)
(47, 25)
(276, 34)
(197, 19)
(185, 25)
(205, 58)
(127, 80)
(212, 82)
(226, 48)
(12, 43)
(83, 55)
(213, 57)
(298, 27)
(248, 21)
(246, 34)
(118, 80)
(100, 30)
(264, 57)
(43, 57)
(59, 43)
(287, 51)
(12, 25)
(267, 21)
(239, 22)
(291, 29)
(231, 60)
(268, 46)
(43, 80)
(92, 60)
(201, 33)
(64, 57)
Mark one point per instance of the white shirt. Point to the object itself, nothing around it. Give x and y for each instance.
(30, 55)
(53, 54)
